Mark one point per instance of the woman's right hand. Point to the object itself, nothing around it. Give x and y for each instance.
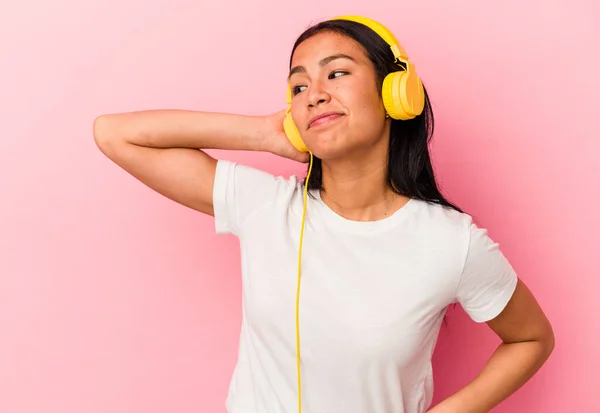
(276, 141)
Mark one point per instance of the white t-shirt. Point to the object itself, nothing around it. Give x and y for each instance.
(372, 296)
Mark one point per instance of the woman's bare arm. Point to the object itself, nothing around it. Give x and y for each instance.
(163, 148)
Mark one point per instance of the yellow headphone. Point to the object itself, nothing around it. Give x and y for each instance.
(403, 99)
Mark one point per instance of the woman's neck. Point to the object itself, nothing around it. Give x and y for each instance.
(359, 192)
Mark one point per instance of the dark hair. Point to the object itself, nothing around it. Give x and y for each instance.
(410, 172)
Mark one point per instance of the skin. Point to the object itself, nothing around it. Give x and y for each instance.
(163, 149)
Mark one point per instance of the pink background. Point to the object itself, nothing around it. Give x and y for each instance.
(114, 299)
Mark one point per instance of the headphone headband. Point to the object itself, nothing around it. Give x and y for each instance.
(383, 32)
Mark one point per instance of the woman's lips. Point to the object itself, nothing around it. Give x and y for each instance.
(324, 119)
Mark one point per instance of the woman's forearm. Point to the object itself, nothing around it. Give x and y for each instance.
(182, 129)
(510, 366)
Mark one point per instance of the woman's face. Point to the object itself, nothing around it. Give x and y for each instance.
(331, 76)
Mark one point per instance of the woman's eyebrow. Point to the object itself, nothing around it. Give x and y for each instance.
(322, 62)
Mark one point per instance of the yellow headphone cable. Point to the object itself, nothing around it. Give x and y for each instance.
(298, 285)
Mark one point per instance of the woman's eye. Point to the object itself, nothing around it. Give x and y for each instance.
(337, 74)
(297, 89)
(332, 75)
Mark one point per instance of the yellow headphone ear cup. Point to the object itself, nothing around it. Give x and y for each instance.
(390, 92)
(290, 128)
(413, 96)
(403, 95)
(292, 133)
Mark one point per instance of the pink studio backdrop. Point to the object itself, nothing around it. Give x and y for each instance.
(114, 299)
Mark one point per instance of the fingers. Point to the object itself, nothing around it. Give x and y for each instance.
(303, 157)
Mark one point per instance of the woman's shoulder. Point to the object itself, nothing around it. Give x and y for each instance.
(454, 227)
(441, 217)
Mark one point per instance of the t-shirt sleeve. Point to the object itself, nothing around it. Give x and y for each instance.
(488, 280)
(240, 190)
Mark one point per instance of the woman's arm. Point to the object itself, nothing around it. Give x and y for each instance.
(161, 147)
(527, 342)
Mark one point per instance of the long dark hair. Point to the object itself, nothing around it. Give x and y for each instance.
(410, 172)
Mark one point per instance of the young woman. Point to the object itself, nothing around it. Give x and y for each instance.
(383, 253)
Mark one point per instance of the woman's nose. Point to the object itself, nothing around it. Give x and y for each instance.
(317, 95)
